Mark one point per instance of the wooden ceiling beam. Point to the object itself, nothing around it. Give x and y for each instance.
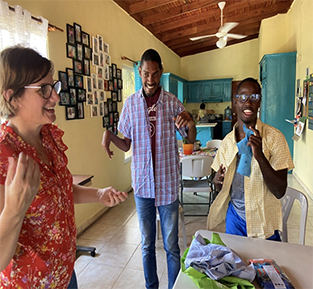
(147, 5)
(277, 8)
(177, 11)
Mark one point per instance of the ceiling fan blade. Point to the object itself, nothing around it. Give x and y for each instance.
(228, 26)
(201, 37)
(236, 36)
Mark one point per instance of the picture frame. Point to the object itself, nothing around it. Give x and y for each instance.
(95, 44)
(99, 72)
(86, 67)
(106, 109)
(95, 99)
(105, 47)
(114, 67)
(101, 59)
(116, 116)
(102, 96)
(78, 32)
(89, 99)
(110, 127)
(111, 118)
(85, 38)
(64, 98)
(115, 128)
(81, 95)
(73, 96)
(110, 85)
(100, 42)
(94, 110)
(119, 95)
(70, 77)
(79, 81)
(110, 107)
(70, 32)
(110, 73)
(119, 83)
(101, 109)
(63, 78)
(77, 66)
(105, 85)
(71, 51)
(87, 52)
(107, 59)
(95, 59)
(94, 80)
(80, 110)
(70, 112)
(115, 88)
(106, 72)
(88, 84)
(105, 121)
(100, 83)
(114, 95)
(79, 51)
(114, 106)
(119, 73)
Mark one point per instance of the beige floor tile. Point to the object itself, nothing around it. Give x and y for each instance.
(100, 232)
(135, 261)
(130, 279)
(127, 235)
(115, 254)
(132, 221)
(98, 276)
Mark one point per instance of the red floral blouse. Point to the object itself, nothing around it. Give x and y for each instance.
(45, 253)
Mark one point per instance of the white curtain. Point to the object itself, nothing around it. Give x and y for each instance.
(18, 28)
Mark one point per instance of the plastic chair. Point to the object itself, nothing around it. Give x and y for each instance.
(287, 202)
(198, 168)
(213, 143)
(182, 223)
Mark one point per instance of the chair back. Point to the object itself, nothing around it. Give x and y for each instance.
(213, 143)
(287, 202)
(196, 166)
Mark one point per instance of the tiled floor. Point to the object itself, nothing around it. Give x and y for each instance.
(116, 236)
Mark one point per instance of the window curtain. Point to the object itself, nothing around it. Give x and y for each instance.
(19, 28)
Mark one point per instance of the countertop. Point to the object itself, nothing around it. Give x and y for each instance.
(210, 124)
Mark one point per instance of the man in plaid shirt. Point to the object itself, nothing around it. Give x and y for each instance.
(149, 120)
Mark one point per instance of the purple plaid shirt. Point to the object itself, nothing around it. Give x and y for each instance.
(134, 124)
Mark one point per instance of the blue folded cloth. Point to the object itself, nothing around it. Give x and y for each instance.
(244, 166)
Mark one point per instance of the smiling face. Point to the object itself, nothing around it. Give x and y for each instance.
(32, 108)
(247, 111)
(150, 74)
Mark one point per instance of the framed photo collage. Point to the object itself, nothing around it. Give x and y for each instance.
(91, 80)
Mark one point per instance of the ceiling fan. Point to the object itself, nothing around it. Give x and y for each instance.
(222, 33)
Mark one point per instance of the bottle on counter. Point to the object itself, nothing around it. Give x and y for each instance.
(227, 113)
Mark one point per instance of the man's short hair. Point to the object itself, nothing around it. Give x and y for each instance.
(249, 79)
(151, 55)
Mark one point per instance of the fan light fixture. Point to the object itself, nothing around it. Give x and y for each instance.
(221, 42)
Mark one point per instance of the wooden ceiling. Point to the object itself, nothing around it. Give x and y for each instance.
(174, 21)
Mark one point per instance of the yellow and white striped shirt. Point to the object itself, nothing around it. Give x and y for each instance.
(263, 209)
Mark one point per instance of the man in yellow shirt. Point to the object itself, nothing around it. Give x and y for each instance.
(249, 199)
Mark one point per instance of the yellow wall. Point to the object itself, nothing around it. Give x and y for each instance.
(83, 137)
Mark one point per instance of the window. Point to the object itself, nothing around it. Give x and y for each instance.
(128, 89)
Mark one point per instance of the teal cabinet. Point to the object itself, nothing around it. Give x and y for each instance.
(217, 90)
(226, 128)
(174, 84)
(278, 76)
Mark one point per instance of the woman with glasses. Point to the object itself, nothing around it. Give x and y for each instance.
(251, 164)
(37, 195)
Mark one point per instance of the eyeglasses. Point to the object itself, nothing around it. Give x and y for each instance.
(253, 97)
(46, 89)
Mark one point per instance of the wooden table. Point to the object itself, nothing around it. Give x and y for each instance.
(296, 260)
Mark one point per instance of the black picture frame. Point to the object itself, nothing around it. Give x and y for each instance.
(71, 51)
(110, 107)
(119, 95)
(114, 106)
(114, 67)
(80, 110)
(111, 118)
(106, 109)
(77, 66)
(87, 52)
(116, 116)
(114, 95)
(85, 38)
(73, 96)
(64, 98)
(86, 67)
(79, 80)
(119, 73)
(70, 77)
(71, 112)
(110, 73)
(79, 52)
(105, 121)
(70, 33)
(63, 78)
(119, 83)
(115, 88)
(110, 87)
(78, 32)
(81, 94)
